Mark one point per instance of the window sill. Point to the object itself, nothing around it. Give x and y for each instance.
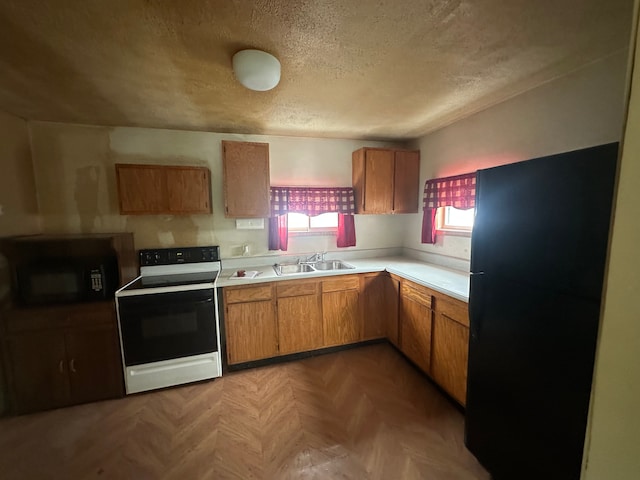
(455, 233)
(321, 233)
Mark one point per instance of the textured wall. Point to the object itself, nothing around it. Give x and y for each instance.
(576, 111)
(19, 214)
(18, 201)
(76, 183)
(613, 440)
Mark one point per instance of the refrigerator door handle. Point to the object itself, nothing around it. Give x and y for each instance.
(476, 303)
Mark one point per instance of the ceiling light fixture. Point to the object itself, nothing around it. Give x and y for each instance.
(256, 70)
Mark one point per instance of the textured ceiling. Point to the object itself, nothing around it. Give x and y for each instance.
(383, 69)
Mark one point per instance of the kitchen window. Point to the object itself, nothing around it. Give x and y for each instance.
(301, 224)
(455, 220)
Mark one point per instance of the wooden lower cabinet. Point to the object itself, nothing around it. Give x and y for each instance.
(372, 287)
(91, 377)
(415, 332)
(62, 355)
(39, 370)
(299, 317)
(341, 310)
(450, 347)
(392, 305)
(279, 318)
(251, 329)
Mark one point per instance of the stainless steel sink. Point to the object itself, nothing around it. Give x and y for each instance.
(292, 268)
(332, 265)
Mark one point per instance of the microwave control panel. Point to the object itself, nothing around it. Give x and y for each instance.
(96, 280)
(177, 256)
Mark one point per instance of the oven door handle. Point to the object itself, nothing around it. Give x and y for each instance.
(138, 306)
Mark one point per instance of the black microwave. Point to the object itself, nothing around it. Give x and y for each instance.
(67, 280)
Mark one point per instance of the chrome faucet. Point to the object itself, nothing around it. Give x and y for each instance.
(316, 257)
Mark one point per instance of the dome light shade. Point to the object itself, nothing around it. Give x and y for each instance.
(256, 70)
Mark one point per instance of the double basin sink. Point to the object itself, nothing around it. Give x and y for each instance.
(323, 266)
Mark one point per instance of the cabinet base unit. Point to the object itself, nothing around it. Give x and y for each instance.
(150, 376)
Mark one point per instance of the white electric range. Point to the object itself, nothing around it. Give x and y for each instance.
(168, 319)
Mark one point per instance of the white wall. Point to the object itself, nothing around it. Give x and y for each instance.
(612, 449)
(580, 110)
(75, 179)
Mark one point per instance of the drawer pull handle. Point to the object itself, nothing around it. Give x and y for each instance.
(72, 365)
(61, 366)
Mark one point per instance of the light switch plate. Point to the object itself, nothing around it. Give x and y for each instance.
(249, 223)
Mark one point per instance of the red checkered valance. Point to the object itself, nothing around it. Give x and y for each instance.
(312, 201)
(458, 191)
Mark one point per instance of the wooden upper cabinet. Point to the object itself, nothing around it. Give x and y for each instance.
(163, 189)
(188, 189)
(141, 189)
(386, 180)
(246, 179)
(406, 192)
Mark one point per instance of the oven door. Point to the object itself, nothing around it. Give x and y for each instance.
(164, 326)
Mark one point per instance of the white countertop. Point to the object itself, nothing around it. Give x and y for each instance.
(445, 280)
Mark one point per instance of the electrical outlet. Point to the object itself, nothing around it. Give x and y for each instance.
(250, 223)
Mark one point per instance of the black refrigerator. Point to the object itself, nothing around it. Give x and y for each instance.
(538, 254)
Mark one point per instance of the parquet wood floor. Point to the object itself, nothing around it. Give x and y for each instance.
(358, 414)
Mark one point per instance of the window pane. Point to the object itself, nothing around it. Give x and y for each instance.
(459, 218)
(298, 221)
(326, 220)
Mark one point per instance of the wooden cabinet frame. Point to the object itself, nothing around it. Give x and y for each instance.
(430, 328)
(163, 189)
(245, 168)
(386, 180)
(62, 355)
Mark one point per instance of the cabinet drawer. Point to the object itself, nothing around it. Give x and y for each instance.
(248, 294)
(418, 294)
(350, 282)
(458, 311)
(296, 289)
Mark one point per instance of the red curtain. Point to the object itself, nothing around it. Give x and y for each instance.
(278, 233)
(458, 191)
(346, 231)
(311, 201)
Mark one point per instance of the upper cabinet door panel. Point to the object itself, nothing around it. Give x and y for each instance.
(188, 189)
(407, 182)
(378, 189)
(246, 179)
(141, 189)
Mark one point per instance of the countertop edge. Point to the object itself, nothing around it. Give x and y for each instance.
(441, 279)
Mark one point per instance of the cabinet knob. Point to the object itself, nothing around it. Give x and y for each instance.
(72, 365)
(61, 366)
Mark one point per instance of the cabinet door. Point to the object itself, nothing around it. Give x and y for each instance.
(142, 189)
(392, 298)
(450, 355)
(406, 182)
(341, 317)
(299, 323)
(378, 183)
(94, 363)
(39, 371)
(246, 179)
(374, 306)
(188, 189)
(251, 331)
(415, 332)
